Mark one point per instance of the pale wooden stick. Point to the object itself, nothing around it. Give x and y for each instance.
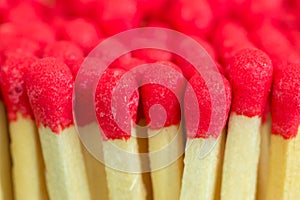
(166, 182)
(27, 157)
(95, 170)
(263, 165)
(143, 148)
(5, 165)
(124, 185)
(65, 170)
(284, 168)
(200, 176)
(241, 158)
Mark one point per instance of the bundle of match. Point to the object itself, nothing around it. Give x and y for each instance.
(41, 154)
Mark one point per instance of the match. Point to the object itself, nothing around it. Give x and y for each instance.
(250, 74)
(201, 175)
(136, 133)
(166, 182)
(25, 145)
(120, 184)
(49, 85)
(284, 165)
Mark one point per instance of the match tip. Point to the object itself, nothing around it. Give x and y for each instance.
(162, 86)
(250, 74)
(116, 102)
(49, 85)
(13, 85)
(286, 101)
(198, 94)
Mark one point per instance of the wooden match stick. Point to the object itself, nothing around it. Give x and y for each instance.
(49, 85)
(25, 145)
(95, 170)
(5, 164)
(73, 57)
(166, 182)
(121, 184)
(250, 74)
(263, 165)
(200, 176)
(284, 174)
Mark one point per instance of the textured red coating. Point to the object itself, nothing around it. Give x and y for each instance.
(152, 55)
(164, 95)
(13, 85)
(68, 52)
(49, 85)
(250, 75)
(104, 107)
(198, 87)
(118, 15)
(286, 101)
(82, 32)
(229, 38)
(192, 17)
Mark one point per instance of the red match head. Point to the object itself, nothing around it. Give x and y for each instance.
(162, 87)
(13, 85)
(198, 87)
(68, 52)
(116, 102)
(49, 83)
(286, 101)
(250, 74)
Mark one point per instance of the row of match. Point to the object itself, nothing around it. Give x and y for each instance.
(257, 150)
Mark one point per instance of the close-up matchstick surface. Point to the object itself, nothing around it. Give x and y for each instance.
(149, 100)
